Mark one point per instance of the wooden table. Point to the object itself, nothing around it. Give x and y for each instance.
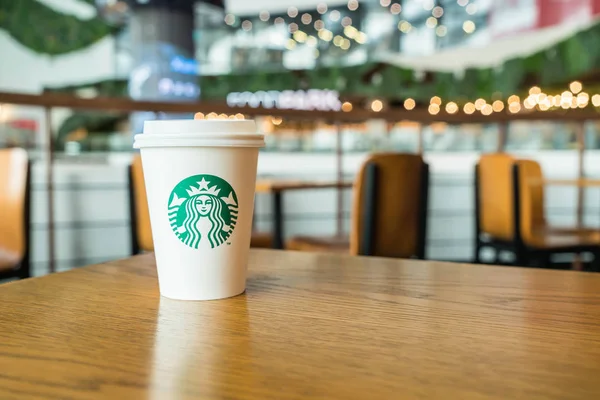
(276, 189)
(310, 326)
(584, 182)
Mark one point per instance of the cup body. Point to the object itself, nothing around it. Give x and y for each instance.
(201, 202)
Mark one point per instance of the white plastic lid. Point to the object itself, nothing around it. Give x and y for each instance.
(200, 133)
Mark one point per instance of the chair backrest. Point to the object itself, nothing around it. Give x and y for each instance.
(14, 203)
(390, 206)
(141, 232)
(529, 178)
(495, 196)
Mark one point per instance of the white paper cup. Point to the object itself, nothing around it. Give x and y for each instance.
(200, 180)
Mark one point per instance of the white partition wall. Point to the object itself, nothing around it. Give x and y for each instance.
(92, 214)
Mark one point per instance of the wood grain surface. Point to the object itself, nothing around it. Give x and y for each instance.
(310, 326)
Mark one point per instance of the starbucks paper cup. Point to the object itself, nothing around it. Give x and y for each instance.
(200, 180)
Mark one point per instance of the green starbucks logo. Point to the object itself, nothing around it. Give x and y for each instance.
(203, 211)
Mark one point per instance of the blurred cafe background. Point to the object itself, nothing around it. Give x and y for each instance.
(499, 98)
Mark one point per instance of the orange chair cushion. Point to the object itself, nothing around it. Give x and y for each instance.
(496, 195)
(13, 188)
(397, 208)
(143, 229)
(531, 200)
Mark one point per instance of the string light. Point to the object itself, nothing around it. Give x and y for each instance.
(352, 5)
(409, 104)
(583, 99)
(404, 26)
(434, 109)
(441, 31)
(514, 99)
(326, 35)
(535, 90)
(385, 3)
(311, 41)
(576, 87)
(247, 25)
(471, 9)
(377, 105)
(239, 116)
(319, 25)
(529, 103)
(322, 8)
(395, 8)
(487, 109)
(469, 108)
(334, 15)
(279, 21)
(345, 44)
(479, 104)
(596, 100)
(469, 26)
(230, 19)
(574, 102)
(436, 100)
(347, 106)
(462, 3)
(361, 38)
(199, 115)
(264, 16)
(292, 12)
(293, 27)
(437, 12)
(306, 18)
(300, 36)
(498, 106)
(514, 107)
(351, 32)
(431, 22)
(451, 107)
(346, 21)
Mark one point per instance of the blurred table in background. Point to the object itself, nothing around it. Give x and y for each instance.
(276, 189)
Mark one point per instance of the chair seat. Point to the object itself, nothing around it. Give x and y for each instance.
(550, 239)
(571, 230)
(261, 240)
(8, 260)
(334, 244)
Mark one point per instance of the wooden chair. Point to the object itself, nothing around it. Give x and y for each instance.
(509, 214)
(389, 212)
(15, 191)
(141, 232)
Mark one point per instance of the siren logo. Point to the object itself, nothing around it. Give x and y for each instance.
(203, 211)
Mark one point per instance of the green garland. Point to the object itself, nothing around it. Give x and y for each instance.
(577, 57)
(46, 31)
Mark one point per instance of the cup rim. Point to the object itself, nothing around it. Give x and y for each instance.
(206, 139)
